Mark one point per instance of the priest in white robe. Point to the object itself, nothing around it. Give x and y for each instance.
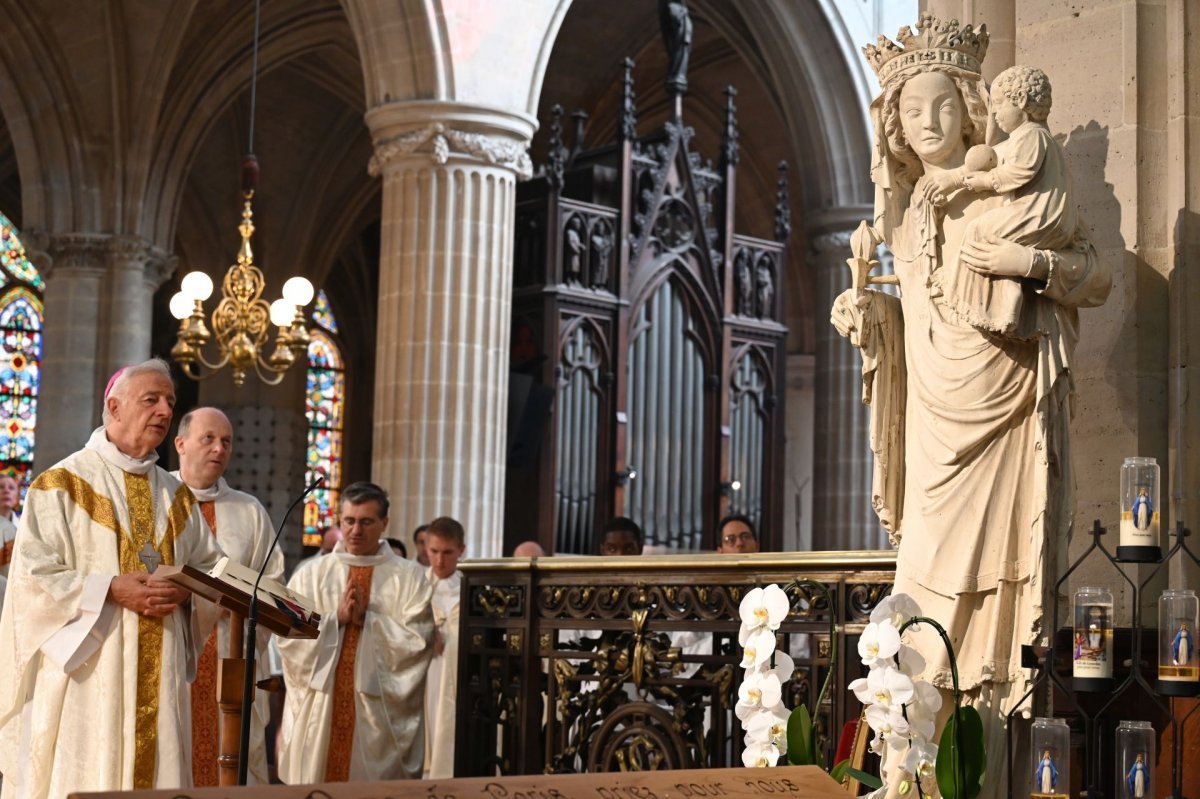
(243, 531)
(355, 695)
(95, 653)
(445, 542)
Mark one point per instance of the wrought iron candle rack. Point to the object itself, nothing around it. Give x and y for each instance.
(1042, 662)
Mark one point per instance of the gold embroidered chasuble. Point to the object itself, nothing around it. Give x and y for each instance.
(387, 677)
(93, 696)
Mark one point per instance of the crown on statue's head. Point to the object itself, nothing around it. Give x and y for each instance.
(934, 42)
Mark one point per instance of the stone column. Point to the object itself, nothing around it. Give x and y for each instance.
(1000, 16)
(445, 280)
(135, 270)
(842, 515)
(73, 266)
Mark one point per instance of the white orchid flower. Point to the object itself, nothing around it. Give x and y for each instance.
(922, 709)
(926, 698)
(760, 756)
(861, 691)
(897, 608)
(887, 686)
(756, 732)
(763, 608)
(759, 690)
(877, 745)
(784, 667)
(758, 645)
(878, 642)
(889, 723)
(919, 761)
(911, 662)
(769, 725)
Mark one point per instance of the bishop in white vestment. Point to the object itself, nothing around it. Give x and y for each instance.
(355, 694)
(95, 653)
(243, 531)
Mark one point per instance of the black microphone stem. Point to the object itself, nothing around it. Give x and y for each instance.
(251, 639)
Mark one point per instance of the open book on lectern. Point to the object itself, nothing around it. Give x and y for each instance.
(229, 584)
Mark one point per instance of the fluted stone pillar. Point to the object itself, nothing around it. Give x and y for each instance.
(445, 276)
(135, 271)
(842, 460)
(73, 266)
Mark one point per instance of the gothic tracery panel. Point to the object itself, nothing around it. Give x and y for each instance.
(579, 401)
(747, 445)
(666, 413)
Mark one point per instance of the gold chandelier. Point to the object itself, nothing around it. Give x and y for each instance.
(242, 319)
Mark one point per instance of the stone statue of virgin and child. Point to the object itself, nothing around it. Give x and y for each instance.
(968, 372)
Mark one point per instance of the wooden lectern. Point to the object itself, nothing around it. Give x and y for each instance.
(280, 611)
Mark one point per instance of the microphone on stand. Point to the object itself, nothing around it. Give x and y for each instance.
(251, 636)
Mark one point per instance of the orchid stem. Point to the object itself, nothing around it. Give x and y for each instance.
(958, 776)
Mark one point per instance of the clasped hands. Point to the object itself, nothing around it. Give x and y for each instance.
(146, 595)
(353, 609)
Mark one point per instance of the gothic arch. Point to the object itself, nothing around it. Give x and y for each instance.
(409, 47)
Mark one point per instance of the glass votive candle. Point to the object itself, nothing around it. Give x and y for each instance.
(1051, 739)
(1135, 760)
(1092, 642)
(1139, 511)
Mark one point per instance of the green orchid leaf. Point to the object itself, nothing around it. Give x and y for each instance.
(800, 738)
(838, 772)
(961, 770)
(864, 779)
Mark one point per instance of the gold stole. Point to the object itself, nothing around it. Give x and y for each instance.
(205, 741)
(341, 733)
(130, 543)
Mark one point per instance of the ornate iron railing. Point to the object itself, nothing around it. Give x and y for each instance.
(570, 664)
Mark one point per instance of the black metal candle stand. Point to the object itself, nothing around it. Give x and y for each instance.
(1042, 663)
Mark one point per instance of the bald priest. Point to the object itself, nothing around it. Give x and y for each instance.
(95, 652)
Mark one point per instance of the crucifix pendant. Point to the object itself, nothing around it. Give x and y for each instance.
(149, 557)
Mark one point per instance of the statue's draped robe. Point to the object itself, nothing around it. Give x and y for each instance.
(390, 664)
(442, 683)
(93, 696)
(987, 494)
(244, 533)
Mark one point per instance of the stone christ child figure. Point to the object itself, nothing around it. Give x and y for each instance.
(969, 429)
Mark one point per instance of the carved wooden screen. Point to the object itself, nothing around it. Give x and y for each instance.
(654, 330)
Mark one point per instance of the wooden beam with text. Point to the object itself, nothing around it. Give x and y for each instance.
(809, 782)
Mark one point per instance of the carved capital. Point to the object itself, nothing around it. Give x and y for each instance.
(441, 143)
(136, 254)
(834, 242)
(82, 254)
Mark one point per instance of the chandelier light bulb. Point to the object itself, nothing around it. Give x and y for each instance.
(181, 306)
(736, 485)
(196, 286)
(298, 291)
(282, 312)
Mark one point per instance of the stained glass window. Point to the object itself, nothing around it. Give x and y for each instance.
(12, 257)
(322, 314)
(20, 373)
(325, 402)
